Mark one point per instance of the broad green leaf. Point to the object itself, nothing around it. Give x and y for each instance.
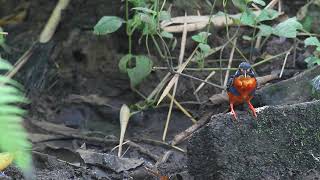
(265, 30)
(145, 10)
(107, 25)
(248, 18)
(260, 2)
(267, 14)
(166, 34)
(164, 15)
(123, 63)
(13, 137)
(140, 71)
(311, 41)
(201, 37)
(205, 48)
(288, 28)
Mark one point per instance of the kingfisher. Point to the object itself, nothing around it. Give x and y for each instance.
(241, 87)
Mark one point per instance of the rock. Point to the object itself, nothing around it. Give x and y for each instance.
(290, 91)
(282, 143)
(109, 161)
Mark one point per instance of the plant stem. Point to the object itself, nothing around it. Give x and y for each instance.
(268, 59)
(129, 33)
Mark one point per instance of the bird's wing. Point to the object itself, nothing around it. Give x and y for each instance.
(230, 87)
(254, 90)
(230, 82)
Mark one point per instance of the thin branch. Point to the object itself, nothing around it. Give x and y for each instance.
(230, 63)
(202, 84)
(196, 69)
(285, 61)
(182, 109)
(198, 79)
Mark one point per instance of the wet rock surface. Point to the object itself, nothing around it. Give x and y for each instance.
(297, 89)
(282, 143)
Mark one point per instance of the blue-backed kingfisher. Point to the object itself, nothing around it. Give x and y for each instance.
(241, 87)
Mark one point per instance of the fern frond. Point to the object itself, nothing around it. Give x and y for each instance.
(13, 137)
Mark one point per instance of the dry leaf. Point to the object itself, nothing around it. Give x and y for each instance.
(124, 119)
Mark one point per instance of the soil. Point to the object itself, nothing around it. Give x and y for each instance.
(74, 82)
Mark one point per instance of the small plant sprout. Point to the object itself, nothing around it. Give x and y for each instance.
(315, 58)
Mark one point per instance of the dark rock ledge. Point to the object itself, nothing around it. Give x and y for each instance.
(282, 143)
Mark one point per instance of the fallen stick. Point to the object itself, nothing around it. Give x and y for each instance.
(185, 134)
(195, 23)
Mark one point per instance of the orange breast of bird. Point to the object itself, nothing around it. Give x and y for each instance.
(245, 86)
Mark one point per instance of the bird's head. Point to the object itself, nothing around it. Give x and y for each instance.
(245, 69)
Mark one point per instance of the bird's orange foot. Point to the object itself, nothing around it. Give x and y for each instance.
(252, 109)
(233, 112)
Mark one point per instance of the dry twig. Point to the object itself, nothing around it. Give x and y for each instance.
(181, 56)
(185, 134)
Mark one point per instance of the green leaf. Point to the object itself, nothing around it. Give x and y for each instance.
(164, 15)
(260, 2)
(145, 10)
(150, 24)
(138, 3)
(146, 18)
(248, 18)
(166, 34)
(307, 23)
(5, 65)
(311, 41)
(288, 28)
(140, 71)
(205, 48)
(174, 44)
(123, 63)
(107, 25)
(312, 61)
(265, 30)
(267, 14)
(13, 137)
(135, 21)
(201, 37)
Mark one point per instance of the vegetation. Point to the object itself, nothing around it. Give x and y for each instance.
(13, 138)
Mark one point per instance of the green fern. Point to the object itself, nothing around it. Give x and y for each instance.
(13, 137)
